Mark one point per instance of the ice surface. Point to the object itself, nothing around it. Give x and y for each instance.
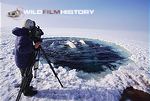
(78, 85)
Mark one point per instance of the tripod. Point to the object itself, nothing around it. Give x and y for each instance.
(48, 61)
(29, 70)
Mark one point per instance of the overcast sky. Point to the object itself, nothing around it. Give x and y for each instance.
(109, 14)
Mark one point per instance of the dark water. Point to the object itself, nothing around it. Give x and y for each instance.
(94, 56)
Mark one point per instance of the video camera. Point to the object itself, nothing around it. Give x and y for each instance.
(36, 33)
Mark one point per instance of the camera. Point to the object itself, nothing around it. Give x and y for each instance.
(36, 33)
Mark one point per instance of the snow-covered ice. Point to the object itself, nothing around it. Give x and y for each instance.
(79, 86)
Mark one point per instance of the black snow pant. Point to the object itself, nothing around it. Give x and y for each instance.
(28, 75)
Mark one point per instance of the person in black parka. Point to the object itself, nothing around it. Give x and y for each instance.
(25, 52)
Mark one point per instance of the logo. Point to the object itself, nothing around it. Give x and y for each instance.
(15, 13)
(18, 12)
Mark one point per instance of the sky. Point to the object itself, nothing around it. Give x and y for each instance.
(128, 15)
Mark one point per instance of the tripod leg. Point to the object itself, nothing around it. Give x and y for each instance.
(36, 65)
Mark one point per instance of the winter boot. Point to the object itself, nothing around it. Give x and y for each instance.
(30, 92)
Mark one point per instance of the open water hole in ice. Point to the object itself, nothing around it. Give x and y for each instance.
(82, 54)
